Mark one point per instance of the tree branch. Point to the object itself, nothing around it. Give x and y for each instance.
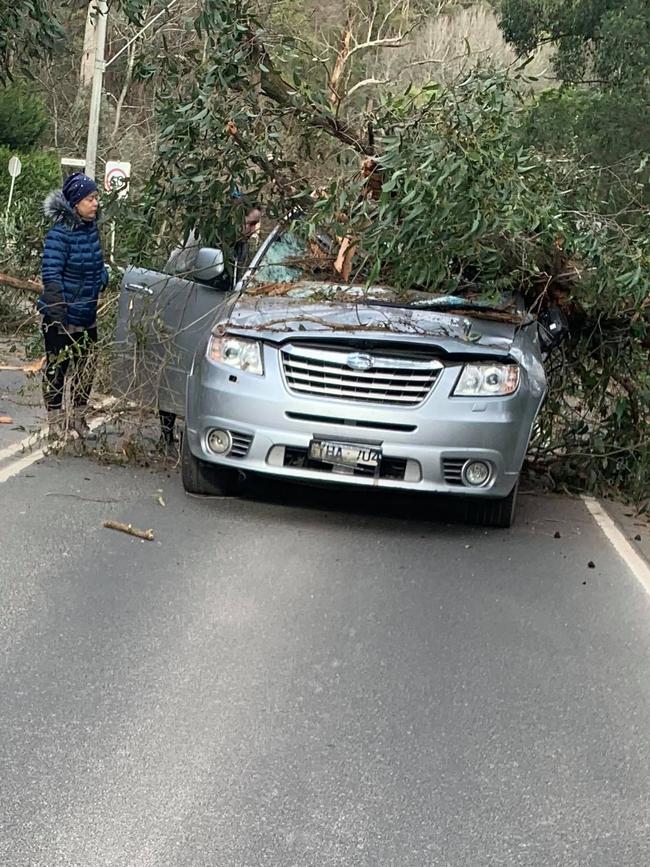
(275, 88)
(386, 42)
(34, 286)
(342, 56)
(367, 82)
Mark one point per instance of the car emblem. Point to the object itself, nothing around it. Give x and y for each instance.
(359, 361)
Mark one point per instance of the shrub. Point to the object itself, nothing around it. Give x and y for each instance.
(21, 240)
(23, 116)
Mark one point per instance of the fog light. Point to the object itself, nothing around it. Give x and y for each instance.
(476, 473)
(219, 442)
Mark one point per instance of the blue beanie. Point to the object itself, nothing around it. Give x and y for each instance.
(77, 186)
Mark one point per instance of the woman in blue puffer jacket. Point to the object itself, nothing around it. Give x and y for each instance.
(73, 276)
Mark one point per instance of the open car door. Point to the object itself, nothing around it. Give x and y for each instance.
(163, 318)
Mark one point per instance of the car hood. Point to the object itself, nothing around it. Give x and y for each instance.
(283, 319)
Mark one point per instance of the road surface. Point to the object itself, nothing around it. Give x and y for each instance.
(292, 679)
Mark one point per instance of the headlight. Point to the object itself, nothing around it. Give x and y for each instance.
(237, 352)
(487, 380)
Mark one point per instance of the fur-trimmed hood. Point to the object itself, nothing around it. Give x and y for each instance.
(57, 208)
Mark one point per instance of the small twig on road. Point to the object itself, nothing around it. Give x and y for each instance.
(130, 530)
(79, 497)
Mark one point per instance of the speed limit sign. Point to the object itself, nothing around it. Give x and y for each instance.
(116, 178)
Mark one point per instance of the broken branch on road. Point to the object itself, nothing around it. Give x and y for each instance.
(130, 530)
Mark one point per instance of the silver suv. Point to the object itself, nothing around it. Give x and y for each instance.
(296, 376)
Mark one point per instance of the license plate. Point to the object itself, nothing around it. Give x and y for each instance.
(344, 454)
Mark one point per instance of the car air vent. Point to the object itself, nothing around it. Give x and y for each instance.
(358, 376)
(351, 422)
(452, 470)
(241, 444)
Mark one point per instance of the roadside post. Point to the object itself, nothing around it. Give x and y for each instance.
(15, 167)
(117, 175)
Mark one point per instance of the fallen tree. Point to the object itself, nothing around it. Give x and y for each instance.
(449, 198)
(432, 187)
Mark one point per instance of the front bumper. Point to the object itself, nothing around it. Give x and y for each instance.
(423, 447)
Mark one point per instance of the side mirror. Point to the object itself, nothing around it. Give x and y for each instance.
(553, 328)
(208, 265)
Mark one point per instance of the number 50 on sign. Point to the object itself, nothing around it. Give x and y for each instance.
(116, 178)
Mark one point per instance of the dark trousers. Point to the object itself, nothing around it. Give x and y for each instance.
(63, 350)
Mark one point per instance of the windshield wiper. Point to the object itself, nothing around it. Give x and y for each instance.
(440, 305)
(454, 302)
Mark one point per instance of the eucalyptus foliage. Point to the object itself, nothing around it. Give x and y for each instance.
(455, 203)
(30, 29)
(601, 54)
(606, 41)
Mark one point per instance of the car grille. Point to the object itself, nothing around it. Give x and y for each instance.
(325, 373)
(452, 470)
(241, 444)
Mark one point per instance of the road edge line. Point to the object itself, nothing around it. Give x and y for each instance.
(22, 446)
(31, 457)
(636, 562)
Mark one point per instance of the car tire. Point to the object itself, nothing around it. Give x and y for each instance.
(492, 512)
(200, 477)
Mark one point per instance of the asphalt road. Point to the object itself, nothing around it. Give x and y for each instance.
(323, 681)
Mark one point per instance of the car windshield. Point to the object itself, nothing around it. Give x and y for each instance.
(297, 268)
(289, 259)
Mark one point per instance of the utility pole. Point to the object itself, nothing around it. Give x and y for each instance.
(95, 46)
(101, 18)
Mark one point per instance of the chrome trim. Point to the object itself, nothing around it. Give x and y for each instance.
(324, 372)
(377, 360)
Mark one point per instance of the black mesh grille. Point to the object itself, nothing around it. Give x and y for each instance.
(241, 444)
(452, 470)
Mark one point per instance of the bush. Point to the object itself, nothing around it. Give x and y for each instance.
(23, 116)
(41, 173)
(605, 127)
(21, 241)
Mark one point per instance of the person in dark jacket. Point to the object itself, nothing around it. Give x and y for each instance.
(73, 276)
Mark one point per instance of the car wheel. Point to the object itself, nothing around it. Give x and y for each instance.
(492, 513)
(200, 477)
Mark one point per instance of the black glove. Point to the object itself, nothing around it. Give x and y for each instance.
(54, 306)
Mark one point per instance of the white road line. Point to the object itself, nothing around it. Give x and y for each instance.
(632, 559)
(23, 445)
(18, 466)
(30, 458)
